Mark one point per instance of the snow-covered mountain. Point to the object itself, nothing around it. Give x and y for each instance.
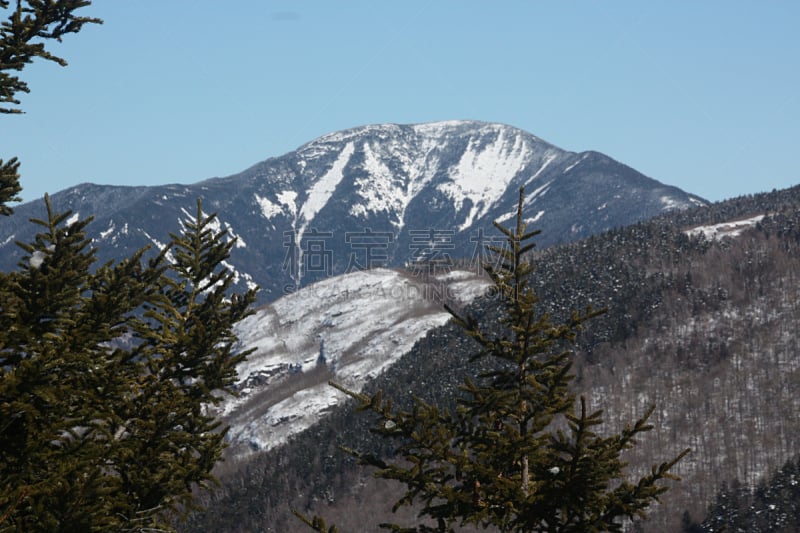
(348, 329)
(371, 196)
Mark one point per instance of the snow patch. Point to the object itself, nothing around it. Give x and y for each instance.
(539, 191)
(528, 200)
(160, 245)
(732, 228)
(268, 209)
(239, 276)
(37, 258)
(109, 231)
(482, 174)
(288, 199)
(549, 159)
(239, 243)
(323, 189)
(535, 218)
(670, 203)
(286, 205)
(380, 189)
(573, 165)
(697, 201)
(436, 129)
(318, 196)
(454, 275)
(215, 225)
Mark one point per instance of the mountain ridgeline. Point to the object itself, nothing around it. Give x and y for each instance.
(372, 196)
(703, 307)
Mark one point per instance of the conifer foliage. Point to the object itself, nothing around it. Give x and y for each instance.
(106, 372)
(518, 452)
(105, 378)
(22, 39)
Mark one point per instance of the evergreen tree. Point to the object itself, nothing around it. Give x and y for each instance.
(774, 505)
(518, 453)
(22, 36)
(106, 376)
(107, 372)
(688, 525)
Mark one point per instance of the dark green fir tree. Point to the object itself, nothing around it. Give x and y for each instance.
(29, 24)
(106, 377)
(107, 372)
(519, 452)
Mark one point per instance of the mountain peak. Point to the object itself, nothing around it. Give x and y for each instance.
(376, 195)
(439, 129)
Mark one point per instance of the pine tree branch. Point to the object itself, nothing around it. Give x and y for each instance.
(316, 523)
(22, 36)
(9, 185)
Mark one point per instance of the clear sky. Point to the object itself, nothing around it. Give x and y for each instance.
(701, 95)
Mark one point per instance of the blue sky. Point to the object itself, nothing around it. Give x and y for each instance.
(701, 95)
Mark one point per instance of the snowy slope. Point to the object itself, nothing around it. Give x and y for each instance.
(725, 229)
(360, 322)
(471, 164)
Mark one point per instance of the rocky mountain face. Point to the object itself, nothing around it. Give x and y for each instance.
(372, 196)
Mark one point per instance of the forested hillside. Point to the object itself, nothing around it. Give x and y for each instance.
(702, 327)
(772, 505)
